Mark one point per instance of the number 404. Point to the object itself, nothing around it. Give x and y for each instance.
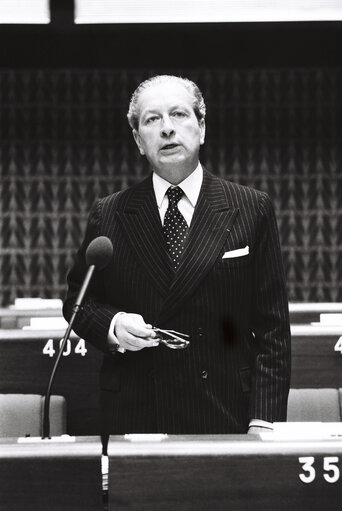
(80, 348)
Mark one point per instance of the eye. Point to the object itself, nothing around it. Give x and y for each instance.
(179, 113)
(151, 119)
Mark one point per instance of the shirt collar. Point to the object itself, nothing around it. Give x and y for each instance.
(191, 186)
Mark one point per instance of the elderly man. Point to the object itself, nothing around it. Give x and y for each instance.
(192, 253)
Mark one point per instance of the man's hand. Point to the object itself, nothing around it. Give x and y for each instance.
(133, 333)
(256, 430)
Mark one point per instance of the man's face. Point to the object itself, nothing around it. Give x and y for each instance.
(169, 133)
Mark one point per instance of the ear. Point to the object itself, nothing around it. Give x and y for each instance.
(137, 139)
(202, 131)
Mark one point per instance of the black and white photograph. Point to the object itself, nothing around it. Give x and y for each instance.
(170, 255)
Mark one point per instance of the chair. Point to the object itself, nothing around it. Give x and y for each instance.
(22, 415)
(314, 405)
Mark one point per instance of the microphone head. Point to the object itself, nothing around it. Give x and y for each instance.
(99, 252)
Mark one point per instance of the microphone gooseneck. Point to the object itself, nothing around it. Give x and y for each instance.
(98, 255)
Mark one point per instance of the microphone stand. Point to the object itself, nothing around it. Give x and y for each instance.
(76, 308)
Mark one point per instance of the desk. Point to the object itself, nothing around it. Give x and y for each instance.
(26, 362)
(17, 318)
(306, 313)
(300, 313)
(50, 476)
(315, 363)
(232, 472)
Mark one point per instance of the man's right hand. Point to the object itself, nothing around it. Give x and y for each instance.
(133, 333)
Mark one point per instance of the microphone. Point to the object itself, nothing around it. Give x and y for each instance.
(98, 255)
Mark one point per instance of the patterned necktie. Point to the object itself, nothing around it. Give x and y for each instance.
(175, 226)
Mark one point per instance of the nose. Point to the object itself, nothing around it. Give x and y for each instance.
(167, 128)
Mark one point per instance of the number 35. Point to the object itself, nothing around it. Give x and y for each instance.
(331, 471)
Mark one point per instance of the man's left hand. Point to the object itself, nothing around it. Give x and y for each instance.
(256, 430)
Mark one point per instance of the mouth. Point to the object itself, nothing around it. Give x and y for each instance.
(169, 147)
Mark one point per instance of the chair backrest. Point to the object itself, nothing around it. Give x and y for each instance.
(22, 415)
(314, 405)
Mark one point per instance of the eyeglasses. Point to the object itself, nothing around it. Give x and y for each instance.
(172, 339)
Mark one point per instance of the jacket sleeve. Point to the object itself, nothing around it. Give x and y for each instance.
(270, 325)
(94, 317)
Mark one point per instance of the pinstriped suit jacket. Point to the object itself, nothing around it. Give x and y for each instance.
(237, 366)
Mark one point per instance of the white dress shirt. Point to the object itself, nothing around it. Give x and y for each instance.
(191, 187)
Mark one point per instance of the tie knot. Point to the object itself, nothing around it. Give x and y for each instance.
(174, 194)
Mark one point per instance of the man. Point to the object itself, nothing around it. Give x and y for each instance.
(195, 254)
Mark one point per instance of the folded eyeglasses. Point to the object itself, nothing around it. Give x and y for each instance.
(172, 339)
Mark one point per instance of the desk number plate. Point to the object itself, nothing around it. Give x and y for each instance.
(331, 471)
(80, 348)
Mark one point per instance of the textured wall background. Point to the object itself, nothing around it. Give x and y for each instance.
(65, 141)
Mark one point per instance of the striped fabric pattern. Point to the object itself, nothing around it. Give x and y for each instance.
(235, 310)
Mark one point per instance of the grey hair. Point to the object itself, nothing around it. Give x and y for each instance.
(191, 87)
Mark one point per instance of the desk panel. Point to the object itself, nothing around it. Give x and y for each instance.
(218, 473)
(315, 363)
(26, 362)
(50, 476)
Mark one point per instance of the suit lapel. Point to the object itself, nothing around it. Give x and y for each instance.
(141, 224)
(210, 226)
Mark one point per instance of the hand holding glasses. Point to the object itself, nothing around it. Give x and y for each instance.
(172, 339)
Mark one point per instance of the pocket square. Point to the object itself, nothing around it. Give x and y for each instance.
(236, 253)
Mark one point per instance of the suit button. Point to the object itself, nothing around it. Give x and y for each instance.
(204, 375)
